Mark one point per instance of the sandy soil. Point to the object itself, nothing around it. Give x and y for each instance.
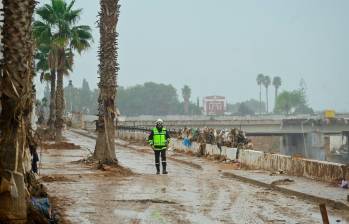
(192, 192)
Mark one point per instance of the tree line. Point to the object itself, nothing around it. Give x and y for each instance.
(159, 99)
(147, 99)
(287, 102)
(47, 46)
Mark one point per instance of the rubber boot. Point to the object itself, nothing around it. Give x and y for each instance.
(164, 171)
(157, 169)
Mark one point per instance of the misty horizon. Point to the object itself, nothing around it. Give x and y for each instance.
(220, 48)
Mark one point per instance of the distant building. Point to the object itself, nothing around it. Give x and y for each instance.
(214, 105)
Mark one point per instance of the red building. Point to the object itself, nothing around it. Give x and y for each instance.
(214, 105)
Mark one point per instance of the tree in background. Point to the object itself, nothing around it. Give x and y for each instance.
(152, 99)
(266, 83)
(149, 99)
(81, 99)
(108, 69)
(68, 97)
(186, 93)
(132, 101)
(85, 96)
(260, 79)
(16, 97)
(252, 105)
(42, 65)
(59, 20)
(292, 102)
(303, 108)
(46, 60)
(244, 109)
(285, 102)
(276, 83)
(94, 99)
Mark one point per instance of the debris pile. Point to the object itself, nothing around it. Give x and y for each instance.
(40, 210)
(231, 138)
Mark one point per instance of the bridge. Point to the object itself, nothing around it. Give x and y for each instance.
(310, 137)
(255, 126)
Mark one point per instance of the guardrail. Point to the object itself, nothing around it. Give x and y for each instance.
(143, 129)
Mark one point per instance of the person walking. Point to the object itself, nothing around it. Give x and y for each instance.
(158, 139)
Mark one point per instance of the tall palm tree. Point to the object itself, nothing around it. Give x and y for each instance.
(59, 20)
(276, 83)
(259, 80)
(16, 96)
(266, 83)
(108, 69)
(186, 93)
(47, 51)
(46, 61)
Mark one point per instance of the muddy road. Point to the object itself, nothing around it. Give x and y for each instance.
(196, 193)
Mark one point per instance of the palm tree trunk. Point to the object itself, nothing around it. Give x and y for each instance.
(51, 121)
(16, 99)
(59, 106)
(108, 67)
(60, 94)
(276, 96)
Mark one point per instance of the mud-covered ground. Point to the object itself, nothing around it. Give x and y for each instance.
(190, 193)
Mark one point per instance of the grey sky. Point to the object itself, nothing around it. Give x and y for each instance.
(219, 47)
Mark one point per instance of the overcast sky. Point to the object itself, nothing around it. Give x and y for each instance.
(219, 47)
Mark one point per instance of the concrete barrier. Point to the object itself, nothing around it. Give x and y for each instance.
(251, 159)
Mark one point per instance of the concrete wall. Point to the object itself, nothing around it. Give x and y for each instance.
(251, 159)
(130, 135)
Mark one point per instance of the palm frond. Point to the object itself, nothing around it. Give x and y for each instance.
(46, 13)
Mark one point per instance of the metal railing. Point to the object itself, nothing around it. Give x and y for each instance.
(144, 129)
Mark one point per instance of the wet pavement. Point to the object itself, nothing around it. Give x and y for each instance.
(190, 193)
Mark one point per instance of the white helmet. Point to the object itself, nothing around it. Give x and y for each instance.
(159, 121)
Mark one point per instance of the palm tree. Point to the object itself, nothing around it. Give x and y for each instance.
(260, 79)
(46, 61)
(47, 53)
(58, 20)
(186, 92)
(41, 65)
(108, 69)
(266, 83)
(276, 83)
(16, 91)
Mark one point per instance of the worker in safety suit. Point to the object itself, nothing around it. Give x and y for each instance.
(158, 139)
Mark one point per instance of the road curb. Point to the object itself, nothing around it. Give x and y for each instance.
(333, 203)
